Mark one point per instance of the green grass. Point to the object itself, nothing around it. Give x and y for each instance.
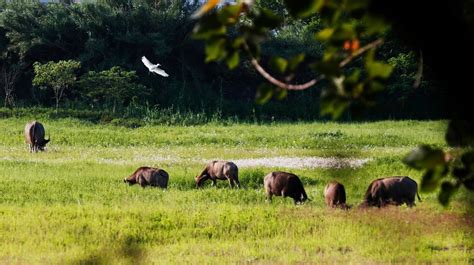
(69, 204)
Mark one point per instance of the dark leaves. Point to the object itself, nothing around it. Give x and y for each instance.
(333, 104)
(233, 60)
(460, 133)
(378, 70)
(425, 157)
(468, 160)
(215, 49)
(278, 64)
(264, 93)
(430, 180)
(295, 61)
(469, 183)
(447, 190)
(431, 160)
(437, 166)
(267, 19)
(209, 26)
(229, 14)
(303, 8)
(465, 173)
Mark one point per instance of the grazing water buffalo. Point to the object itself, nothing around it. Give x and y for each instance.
(335, 195)
(286, 185)
(391, 190)
(148, 176)
(219, 170)
(34, 136)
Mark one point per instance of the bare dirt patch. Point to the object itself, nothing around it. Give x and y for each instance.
(302, 162)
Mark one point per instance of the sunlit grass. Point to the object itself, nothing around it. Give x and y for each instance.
(69, 204)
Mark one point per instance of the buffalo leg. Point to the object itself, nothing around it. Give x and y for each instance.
(141, 181)
(269, 197)
(214, 182)
(381, 203)
(410, 202)
(231, 183)
(237, 183)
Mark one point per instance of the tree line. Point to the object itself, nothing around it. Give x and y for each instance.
(87, 56)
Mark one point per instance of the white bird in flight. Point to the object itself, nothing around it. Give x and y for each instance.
(153, 67)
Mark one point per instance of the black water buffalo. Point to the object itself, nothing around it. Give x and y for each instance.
(145, 176)
(335, 195)
(284, 184)
(391, 190)
(219, 170)
(34, 136)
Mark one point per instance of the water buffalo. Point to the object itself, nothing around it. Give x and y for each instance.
(391, 190)
(335, 195)
(286, 185)
(219, 170)
(34, 136)
(144, 176)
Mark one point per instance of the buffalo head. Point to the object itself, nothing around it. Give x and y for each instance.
(200, 179)
(41, 143)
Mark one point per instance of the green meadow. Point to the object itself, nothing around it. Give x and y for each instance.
(70, 205)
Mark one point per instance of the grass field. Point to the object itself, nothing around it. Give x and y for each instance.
(69, 204)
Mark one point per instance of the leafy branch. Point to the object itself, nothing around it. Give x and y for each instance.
(341, 38)
(448, 170)
(313, 81)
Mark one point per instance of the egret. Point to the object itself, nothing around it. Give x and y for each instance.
(153, 67)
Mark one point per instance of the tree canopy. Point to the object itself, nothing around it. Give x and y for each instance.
(114, 85)
(59, 76)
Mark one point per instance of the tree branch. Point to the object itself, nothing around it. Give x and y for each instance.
(419, 73)
(281, 84)
(313, 81)
(360, 51)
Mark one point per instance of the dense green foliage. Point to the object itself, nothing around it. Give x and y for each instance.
(69, 204)
(105, 34)
(114, 85)
(58, 76)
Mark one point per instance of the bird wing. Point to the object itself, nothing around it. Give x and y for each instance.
(159, 71)
(148, 64)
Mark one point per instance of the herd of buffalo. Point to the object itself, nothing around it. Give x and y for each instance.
(383, 191)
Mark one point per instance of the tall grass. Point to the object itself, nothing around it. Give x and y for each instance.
(132, 116)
